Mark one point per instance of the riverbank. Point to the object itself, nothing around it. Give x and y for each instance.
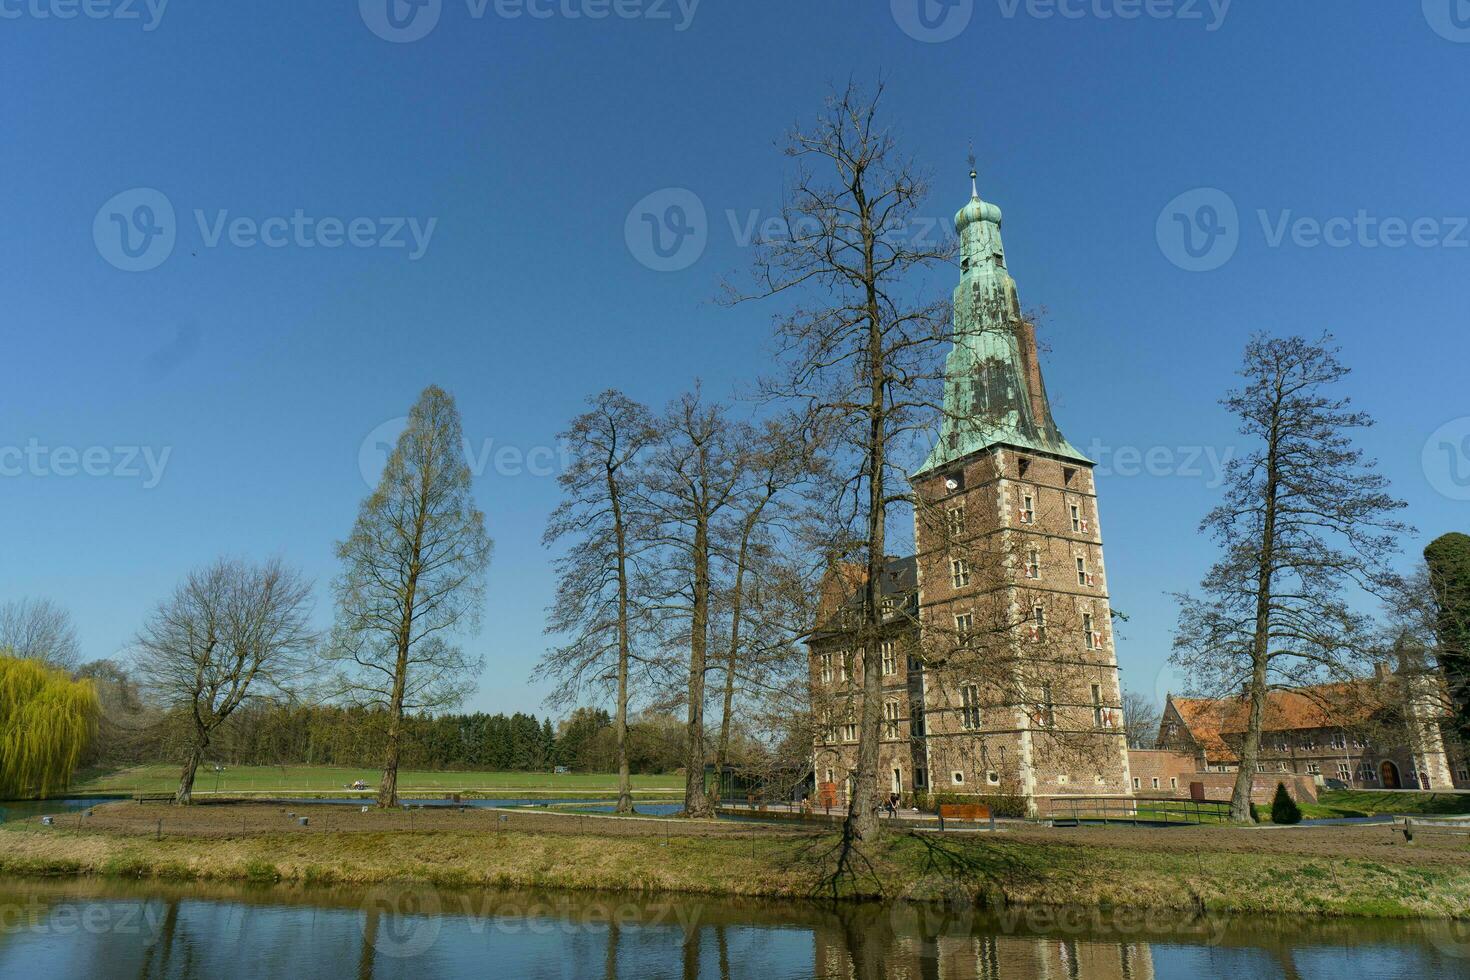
(1338, 871)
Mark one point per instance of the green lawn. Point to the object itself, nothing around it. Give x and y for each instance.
(318, 779)
(1366, 803)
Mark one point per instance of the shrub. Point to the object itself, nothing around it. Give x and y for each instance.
(1009, 805)
(1284, 808)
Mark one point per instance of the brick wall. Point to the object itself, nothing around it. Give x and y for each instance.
(1175, 771)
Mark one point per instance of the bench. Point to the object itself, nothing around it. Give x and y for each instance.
(153, 797)
(964, 811)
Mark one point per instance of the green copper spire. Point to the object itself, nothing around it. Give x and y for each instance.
(994, 394)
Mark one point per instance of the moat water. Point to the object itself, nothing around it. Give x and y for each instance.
(95, 929)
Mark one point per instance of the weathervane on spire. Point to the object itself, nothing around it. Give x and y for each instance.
(974, 174)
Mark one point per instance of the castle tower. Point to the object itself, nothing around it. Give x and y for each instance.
(1020, 682)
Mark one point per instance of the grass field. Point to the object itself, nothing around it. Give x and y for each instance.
(1361, 803)
(327, 779)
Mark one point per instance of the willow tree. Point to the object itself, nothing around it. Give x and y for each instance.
(46, 720)
(232, 632)
(413, 574)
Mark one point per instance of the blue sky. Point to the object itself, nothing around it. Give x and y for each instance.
(525, 149)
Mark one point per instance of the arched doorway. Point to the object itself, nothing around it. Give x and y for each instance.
(1390, 774)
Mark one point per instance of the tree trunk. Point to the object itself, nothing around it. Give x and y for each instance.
(388, 787)
(696, 798)
(185, 795)
(862, 812)
(1240, 799)
(737, 609)
(625, 786)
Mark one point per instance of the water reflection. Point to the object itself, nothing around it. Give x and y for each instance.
(153, 930)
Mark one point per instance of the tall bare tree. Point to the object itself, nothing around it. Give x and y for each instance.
(760, 547)
(230, 633)
(595, 603)
(40, 629)
(413, 574)
(694, 478)
(862, 348)
(1306, 520)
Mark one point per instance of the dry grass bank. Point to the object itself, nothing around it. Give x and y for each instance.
(1319, 871)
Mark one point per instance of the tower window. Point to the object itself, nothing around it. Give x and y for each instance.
(1076, 519)
(891, 714)
(959, 573)
(1089, 638)
(1033, 563)
(964, 627)
(1097, 708)
(970, 707)
(1028, 509)
(956, 523)
(1038, 624)
(1083, 578)
(826, 668)
(890, 658)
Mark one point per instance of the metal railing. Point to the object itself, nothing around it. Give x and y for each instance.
(1137, 810)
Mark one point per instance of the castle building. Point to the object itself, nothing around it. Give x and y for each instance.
(1000, 676)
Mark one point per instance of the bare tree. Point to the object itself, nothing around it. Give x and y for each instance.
(413, 574)
(40, 629)
(763, 560)
(595, 606)
(1141, 715)
(230, 633)
(694, 478)
(861, 355)
(1306, 518)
